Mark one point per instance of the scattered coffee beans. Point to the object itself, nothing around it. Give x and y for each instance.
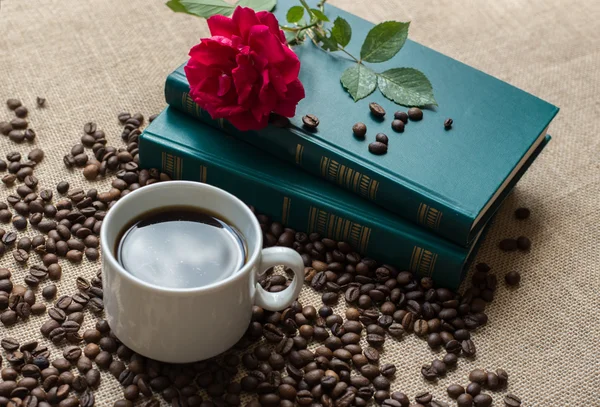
(378, 148)
(398, 126)
(400, 115)
(512, 278)
(510, 400)
(310, 121)
(359, 130)
(523, 243)
(376, 110)
(415, 114)
(382, 138)
(13, 103)
(448, 123)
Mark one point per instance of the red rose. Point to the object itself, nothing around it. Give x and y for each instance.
(245, 70)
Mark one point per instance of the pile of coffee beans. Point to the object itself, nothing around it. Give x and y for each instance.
(480, 379)
(17, 129)
(304, 355)
(380, 145)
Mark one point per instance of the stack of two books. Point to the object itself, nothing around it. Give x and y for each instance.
(423, 206)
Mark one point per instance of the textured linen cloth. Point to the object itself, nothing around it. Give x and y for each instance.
(93, 59)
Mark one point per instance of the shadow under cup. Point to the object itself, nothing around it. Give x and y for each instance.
(179, 324)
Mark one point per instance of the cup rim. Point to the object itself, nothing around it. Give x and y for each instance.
(109, 259)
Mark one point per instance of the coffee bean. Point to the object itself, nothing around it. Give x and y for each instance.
(398, 126)
(492, 381)
(420, 327)
(360, 130)
(455, 390)
(478, 376)
(423, 397)
(20, 255)
(482, 400)
(5, 128)
(382, 138)
(13, 103)
(16, 135)
(523, 243)
(29, 134)
(93, 378)
(376, 110)
(448, 123)
(512, 278)
(103, 359)
(9, 238)
(19, 124)
(9, 179)
(62, 187)
(310, 121)
(72, 353)
(474, 389)
(378, 148)
(36, 155)
(74, 256)
(48, 327)
(21, 112)
(375, 340)
(89, 128)
(502, 377)
(510, 400)
(468, 348)
(387, 369)
(80, 159)
(10, 344)
(90, 172)
(429, 373)
(415, 114)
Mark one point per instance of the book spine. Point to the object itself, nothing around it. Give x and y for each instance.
(441, 219)
(441, 261)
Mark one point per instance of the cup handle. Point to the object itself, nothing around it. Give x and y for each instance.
(275, 256)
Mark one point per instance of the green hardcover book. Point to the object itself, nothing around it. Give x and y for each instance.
(188, 149)
(450, 182)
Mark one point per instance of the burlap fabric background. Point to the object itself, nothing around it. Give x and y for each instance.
(92, 59)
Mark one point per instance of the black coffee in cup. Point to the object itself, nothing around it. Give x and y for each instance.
(180, 247)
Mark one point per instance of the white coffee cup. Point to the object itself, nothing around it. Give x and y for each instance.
(189, 324)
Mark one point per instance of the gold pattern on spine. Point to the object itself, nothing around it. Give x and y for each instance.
(285, 211)
(171, 164)
(423, 262)
(349, 178)
(429, 216)
(299, 152)
(338, 228)
(203, 171)
(190, 106)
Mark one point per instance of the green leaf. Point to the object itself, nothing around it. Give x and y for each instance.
(359, 81)
(176, 6)
(258, 5)
(384, 41)
(341, 31)
(406, 86)
(203, 8)
(319, 14)
(306, 6)
(295, 14)
(327, 43)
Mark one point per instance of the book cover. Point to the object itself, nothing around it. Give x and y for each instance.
(187, 149)
(450, 182)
